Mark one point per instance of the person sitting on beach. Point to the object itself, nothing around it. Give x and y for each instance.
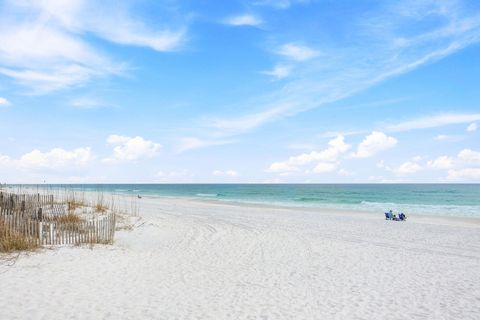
(395, 217)
(402, 216)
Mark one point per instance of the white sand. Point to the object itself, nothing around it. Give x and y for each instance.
(198, 260)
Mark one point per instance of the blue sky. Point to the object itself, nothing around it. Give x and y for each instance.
(239, 91)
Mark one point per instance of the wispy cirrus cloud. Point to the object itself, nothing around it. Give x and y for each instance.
(279, 71)
(422, 122)
(44, 45)
(472, 127)
(297, 52)
(280, 4)
(4, 102)
(243, 20)
(434, 121)
(191, 143)
(387, 45)
(88, 102)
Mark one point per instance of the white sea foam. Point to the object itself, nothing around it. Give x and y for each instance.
(207, 194)
(423, 209)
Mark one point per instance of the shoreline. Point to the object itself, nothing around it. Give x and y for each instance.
(417, 204)
(442, 219)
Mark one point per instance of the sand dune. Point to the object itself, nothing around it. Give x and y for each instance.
(197, 260)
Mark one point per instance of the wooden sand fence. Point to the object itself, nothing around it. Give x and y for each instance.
(42, 221)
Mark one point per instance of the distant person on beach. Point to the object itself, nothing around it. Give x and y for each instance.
(402, 216)
(139, 197)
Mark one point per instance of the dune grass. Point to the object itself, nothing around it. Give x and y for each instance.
(71, 218)
(11, 240)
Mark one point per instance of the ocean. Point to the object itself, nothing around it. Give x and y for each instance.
(461, 200)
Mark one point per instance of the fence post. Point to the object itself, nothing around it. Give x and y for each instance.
(51, 233)
(40, 232)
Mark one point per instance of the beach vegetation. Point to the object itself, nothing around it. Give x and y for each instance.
(12, 240)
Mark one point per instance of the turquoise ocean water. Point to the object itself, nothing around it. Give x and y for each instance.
(462, 200)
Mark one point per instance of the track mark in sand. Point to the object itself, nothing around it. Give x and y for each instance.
(402, 246)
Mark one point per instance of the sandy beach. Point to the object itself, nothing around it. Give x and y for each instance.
(189, 259)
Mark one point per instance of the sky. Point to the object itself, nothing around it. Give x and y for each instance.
(247, 91)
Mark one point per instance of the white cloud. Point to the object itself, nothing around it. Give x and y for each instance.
(244, 20)
(4, 102)
(60, 60)
(20, 46)
(472, 127)
(297, 52)
(190, 143)
(227, 173)
(469, 155)
(323, 167)
(130, 149)
(408, 167)
(55, 158)
(279, 72)
(111, 22)
(336, 147)
(442, 162)
(433, 121)
(441, 137)
(464, 174)
(373, 144)
(64, 58)
(465, 166)
(462, 169)
(156, 40)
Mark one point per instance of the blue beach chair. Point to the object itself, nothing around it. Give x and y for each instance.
(389, 215)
